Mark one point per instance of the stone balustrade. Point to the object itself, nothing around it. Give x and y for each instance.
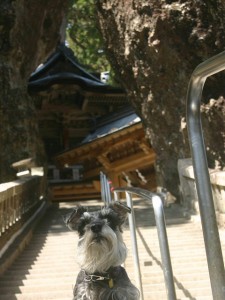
(189, 193)
(17, 198)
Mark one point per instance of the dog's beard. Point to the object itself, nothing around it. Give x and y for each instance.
(99, 252)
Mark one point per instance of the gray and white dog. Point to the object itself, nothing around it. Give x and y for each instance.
(101, 251)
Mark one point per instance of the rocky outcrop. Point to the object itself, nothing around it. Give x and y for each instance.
(154, 47)
(213, 119)
(28, 34)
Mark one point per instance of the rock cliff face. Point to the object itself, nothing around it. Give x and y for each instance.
(154, 47)
(29, 31)
(213, 120)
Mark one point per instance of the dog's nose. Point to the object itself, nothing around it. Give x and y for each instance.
(97, 227)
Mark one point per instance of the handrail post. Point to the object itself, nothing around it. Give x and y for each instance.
(162, 235)
(132, 226)
(102, 187)
(205, 198)
(164, 246)
(105, 189)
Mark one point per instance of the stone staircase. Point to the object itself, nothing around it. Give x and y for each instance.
(47, 268)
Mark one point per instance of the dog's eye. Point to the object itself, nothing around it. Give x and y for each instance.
(111, 218)
(81, 225)
(112, 221)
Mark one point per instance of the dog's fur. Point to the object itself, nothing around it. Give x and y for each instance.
(101, 251)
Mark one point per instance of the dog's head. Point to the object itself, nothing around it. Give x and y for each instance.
(100, 243)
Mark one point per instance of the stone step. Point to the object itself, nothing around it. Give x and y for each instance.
(196, 290)
(45, 269)
(54, 266)
(20, 274)
(68, 296)
(197, 298)
(37, 281)
(34, 283)
(48, 286)
(150, 291)
(45, 260)
(56, 295)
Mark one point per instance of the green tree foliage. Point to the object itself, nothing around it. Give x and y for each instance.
(83, 36)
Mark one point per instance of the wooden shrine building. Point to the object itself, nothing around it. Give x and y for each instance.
(87, 126)
(69, 99)
(118, 148)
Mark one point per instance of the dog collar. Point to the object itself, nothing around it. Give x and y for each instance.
(96, 278)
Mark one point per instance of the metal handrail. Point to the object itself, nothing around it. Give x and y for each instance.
(105, 189)
(107, 198)
(132, 226)
(162, 235)
(205, 198)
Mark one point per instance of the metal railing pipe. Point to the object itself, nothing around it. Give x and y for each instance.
(164, 246)
(205, 198)
(162, 235)
(103, 196)
(108, 191)
(105, 189)
(132, 226)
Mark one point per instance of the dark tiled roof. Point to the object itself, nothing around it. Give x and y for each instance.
(62, 67)
(112, 123)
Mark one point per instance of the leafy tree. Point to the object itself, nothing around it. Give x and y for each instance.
(83, 36)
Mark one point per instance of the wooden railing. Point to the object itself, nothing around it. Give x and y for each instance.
(17, 201)
(189, 193)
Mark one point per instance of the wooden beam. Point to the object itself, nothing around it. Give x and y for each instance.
(112, 140)
(104, 161)
(49, 107)
(76, 132)
(73, 191)
(92, 173)
(77, 197)
(145, 147)
(97, 185)
(133, 162)
(92, 150)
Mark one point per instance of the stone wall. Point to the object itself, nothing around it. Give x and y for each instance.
(189, 193)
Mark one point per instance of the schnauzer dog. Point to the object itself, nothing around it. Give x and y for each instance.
(101, 251)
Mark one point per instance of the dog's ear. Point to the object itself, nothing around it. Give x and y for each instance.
(72, 218)
(121, 209)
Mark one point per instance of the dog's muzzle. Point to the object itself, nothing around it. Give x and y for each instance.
(96, 227)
